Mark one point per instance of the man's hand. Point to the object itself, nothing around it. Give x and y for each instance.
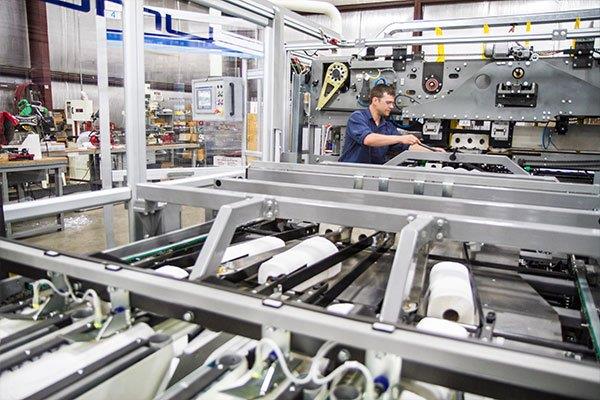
(408, 139)
(417, 147)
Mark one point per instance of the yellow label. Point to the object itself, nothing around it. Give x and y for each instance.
(486, 31)
(527, 30)
(440, 47)
(577, 26)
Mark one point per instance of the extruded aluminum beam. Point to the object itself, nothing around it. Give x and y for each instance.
(502, 366)
(54, 205)
(479, 208)
(464, 228)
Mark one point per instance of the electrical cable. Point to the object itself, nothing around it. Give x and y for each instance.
(96, 303)
(313, 370)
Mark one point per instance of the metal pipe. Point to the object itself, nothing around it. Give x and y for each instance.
(317, 7)
(386, 42)
(502, 20)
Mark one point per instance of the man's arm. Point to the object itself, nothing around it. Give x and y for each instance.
(379, 140)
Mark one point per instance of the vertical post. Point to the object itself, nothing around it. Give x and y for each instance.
(274, 84)
(417, 15)
(39, 52)
(244, 75)
(297, 120)
(135, 124)
(215, 60)
(104, 119)
(266, 125)
(3, 273)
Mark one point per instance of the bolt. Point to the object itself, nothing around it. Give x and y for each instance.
(188, 316)
(439, 236)
(409, 307)
(440, 222)
(343, 355)
(269, 214)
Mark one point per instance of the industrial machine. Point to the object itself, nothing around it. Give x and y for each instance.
(455, 275)
(339, 280)
(467, 103)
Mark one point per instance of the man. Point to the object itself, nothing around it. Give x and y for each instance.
(370, 136)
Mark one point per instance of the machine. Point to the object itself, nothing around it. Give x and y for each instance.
(334, 280)
(470, 103)
(456, 275)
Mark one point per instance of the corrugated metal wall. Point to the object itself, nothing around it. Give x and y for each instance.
(72, 44)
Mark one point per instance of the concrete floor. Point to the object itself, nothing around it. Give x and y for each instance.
(84, 230)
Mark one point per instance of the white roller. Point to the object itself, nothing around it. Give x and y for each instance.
(309, 252)
(172, 271)
(340, 308)
(252, 247)
(450, 293)
(445, 269)
(442, 327)
(50, 368)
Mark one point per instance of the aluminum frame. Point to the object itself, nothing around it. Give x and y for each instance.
(503, 367)
(511, 232)
(488, 187)
(502, 161)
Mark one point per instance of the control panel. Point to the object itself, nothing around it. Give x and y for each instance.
(218, 99)
(78, 110)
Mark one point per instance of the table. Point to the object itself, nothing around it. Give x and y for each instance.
(119, 153)
(48, 165)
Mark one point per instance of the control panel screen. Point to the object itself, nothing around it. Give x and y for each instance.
(204, 99)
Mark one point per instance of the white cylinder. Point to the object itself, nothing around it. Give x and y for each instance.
(172, 271)
(309, 252)
(450, 293)
(252, 247)
(445, 269)
(442, 327)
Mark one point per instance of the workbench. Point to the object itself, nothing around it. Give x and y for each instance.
(10, 172)
(119, 155)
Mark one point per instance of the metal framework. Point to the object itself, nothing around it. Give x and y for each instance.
(502, 161)
(505, 371)
(488, 187)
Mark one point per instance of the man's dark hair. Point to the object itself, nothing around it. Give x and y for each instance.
(381, 89)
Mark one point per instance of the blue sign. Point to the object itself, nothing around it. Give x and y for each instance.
(173, 37)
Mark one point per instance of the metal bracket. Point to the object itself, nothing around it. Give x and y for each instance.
(413, 236)
(559, 34)
(120, 313)
(230, 216)
(55, 303)
(384, 184)
(358, 182)
(270, 208)
(419, 187)
(447, 189)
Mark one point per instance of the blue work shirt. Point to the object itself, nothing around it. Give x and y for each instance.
(360, 124)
